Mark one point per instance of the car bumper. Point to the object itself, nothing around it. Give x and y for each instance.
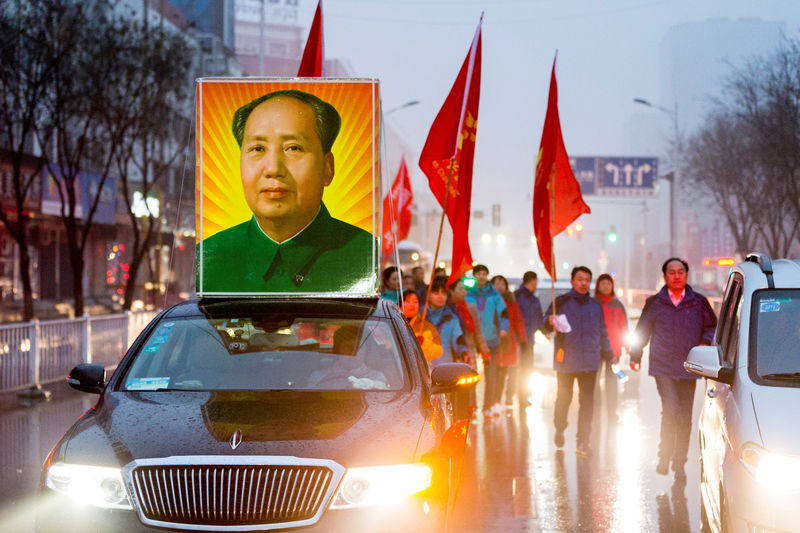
(754, 508)
(57, 514)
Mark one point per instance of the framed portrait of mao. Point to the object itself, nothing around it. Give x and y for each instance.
(287, 187)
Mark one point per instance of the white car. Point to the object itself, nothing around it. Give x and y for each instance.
(750, 421)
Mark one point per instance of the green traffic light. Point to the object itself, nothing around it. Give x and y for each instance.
(612, 234)
(469, 282)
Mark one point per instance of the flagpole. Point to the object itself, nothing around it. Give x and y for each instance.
(438, 242)
(552, 240)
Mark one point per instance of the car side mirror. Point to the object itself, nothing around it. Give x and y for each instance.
(88, 377)
(450, 377)
(705, 361)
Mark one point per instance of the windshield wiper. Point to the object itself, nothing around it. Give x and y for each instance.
(783, 376)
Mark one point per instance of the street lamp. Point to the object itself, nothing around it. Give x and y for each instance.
(674, 176)
(407, 104)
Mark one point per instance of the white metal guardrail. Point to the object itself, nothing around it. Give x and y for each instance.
(34, 353)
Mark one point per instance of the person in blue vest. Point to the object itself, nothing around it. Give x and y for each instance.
(493, 316)
(673, 321)
(454, 346)
(581, 341)
(531, 309)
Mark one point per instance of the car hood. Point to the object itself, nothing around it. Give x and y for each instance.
(778, 420)
(351, 428)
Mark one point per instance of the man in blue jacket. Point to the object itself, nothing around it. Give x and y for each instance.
(493, 316)
(673, 321)
(531, 309)
(577, 355)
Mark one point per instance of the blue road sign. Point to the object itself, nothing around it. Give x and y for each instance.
(616, 176)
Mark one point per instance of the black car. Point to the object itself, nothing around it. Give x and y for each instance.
(252, 415)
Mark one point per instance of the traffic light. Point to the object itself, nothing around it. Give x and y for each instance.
(612, 234)
(579, 230)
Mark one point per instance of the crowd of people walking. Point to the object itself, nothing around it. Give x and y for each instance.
(488, 322)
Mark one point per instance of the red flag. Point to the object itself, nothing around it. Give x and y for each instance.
(455, 439)
(553, 170)
(397, 214)
(449, 151)
(312, 64)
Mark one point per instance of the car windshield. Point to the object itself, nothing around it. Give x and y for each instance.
(777, 334)
(254, 353)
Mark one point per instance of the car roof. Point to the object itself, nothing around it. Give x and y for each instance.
(228, 307)
(785, 274)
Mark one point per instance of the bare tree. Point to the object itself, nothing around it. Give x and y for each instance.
(25, 72)
(156, 103)
(747, 155)
(92, 42)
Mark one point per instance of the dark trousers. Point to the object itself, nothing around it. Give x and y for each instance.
(611, 389)
(500, 375)
(677, 398)
(586, 382)
(489, 378)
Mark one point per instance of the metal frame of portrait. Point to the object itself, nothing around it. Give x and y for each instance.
(350, 201)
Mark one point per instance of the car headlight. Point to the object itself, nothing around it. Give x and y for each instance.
(379, 485)
(540, 338)
(631, 338)
(93, 485)
(775, 471)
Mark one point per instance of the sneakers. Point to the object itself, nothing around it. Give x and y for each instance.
(559, 439)
(663, 466)
(497, 409)
(583, 450)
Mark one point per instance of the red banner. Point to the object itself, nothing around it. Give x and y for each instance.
(313, 62)
(555, 185)
(448, 154)
(397, 210)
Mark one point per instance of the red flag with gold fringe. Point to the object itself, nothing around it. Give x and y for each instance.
(449, 151)
(557, 199)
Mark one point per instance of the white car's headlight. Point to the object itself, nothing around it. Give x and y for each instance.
(773, 470)
(93, 485)
(540, 338)
(631, 338)
(379, 485)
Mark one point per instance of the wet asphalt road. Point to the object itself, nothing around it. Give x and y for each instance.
(516, 480)
(513, 479)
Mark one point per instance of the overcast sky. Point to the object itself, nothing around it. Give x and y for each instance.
(608, 53)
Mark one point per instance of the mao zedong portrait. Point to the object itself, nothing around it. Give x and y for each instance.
(291, 243)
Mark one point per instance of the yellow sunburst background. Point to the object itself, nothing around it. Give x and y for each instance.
(221, 201)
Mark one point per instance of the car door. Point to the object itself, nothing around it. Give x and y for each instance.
(719, 401)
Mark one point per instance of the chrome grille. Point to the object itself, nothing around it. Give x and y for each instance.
(220, 494)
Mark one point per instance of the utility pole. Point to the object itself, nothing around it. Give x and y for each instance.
(261, 40)
(675, 180)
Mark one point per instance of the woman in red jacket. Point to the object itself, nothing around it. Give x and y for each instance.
(508, 352)
(617, 326)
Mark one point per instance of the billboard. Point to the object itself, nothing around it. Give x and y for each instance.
(287, 187)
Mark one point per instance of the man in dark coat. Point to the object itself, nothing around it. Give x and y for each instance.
(673, 321)
(577, 354)
(531, 310)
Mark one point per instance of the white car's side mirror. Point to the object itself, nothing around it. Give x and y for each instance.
(705, 361)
